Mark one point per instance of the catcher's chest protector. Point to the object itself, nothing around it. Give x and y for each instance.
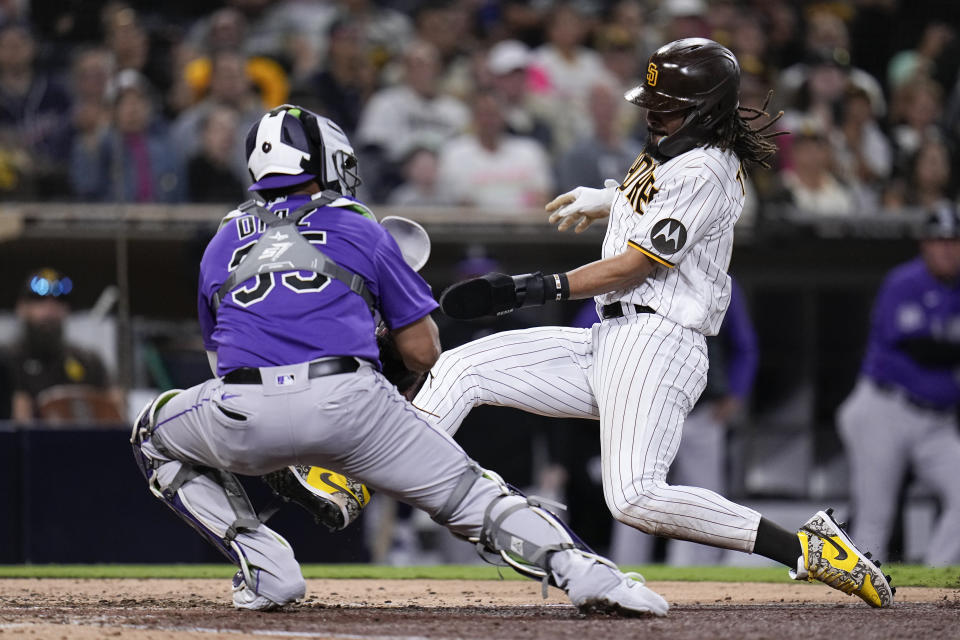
(283, 248)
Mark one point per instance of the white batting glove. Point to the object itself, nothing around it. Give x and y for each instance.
(582, 206)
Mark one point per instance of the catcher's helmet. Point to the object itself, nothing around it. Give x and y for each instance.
(290, 146)
(692, 73)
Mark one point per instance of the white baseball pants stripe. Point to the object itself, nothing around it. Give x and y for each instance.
(639, 375)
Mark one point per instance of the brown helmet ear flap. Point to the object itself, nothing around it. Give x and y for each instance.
(689, 135)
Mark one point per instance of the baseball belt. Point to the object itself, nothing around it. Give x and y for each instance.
(317, 369)
(615, 310)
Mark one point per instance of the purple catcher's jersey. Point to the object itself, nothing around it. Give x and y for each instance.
(290, 317)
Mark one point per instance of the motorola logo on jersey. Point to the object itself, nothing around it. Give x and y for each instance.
(668, 236)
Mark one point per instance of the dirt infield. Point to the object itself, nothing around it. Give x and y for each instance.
(441, 609)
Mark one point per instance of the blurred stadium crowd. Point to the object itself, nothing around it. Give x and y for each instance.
(468, 102)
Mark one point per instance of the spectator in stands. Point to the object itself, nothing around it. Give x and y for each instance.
(508, 63)
(388, 32)
(902, 413)
(421, 186)
(90, 77)
(927, 178)
(519, 20)
(210, 171)
(264, 74)
(346, 79)
(749, 44)
(125, 36)
(809, 183)
(492, 169)
(783, 25)
(397, 116)
(863, 153)
(684, 19)
(617, 48)
(133, 161)
(820, 96)
(446, 25)
(261, 29)
(828, 42)
(90, 74)
(228, 28)
(922, 61)
(916, 113)
(34, 121)
(603, 154)
(42, 359)
(723, 17)
(230, 88)
(631, 16)
(129, 43)
(570, 70)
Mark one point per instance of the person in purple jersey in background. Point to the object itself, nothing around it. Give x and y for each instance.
(902, 414)
(291, 292)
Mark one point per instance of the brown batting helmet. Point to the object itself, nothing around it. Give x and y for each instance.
(692, 73)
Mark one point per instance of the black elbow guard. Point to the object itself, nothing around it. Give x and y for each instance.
(495, 294)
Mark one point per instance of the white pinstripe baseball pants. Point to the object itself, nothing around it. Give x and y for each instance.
(639, 375)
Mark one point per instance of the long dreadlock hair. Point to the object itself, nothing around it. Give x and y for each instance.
(751, 145)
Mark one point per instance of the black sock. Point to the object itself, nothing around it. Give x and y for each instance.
(776, 543)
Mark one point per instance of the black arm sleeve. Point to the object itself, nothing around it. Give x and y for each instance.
(927, 352)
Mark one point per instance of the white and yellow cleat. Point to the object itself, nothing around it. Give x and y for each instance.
(830, 556)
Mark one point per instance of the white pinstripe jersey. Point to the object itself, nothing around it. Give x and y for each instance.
(681, 214)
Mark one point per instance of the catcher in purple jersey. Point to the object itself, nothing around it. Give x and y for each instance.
(291, 291)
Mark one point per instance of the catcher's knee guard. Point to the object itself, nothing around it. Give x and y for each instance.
(143, 428)
(185, 488)
(517, 531)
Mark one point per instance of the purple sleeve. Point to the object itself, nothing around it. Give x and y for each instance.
(404, 296)
(883, 317)
(587, 315)
(205, 316)
(742, 343)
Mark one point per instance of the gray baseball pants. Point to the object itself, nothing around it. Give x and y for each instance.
(355, 423)
(884, 434)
